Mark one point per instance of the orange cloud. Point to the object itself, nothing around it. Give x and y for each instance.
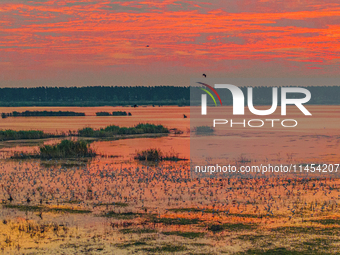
(90, 34)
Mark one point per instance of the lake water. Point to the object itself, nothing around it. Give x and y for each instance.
(169, 116)
(162, 198)
(316, 138)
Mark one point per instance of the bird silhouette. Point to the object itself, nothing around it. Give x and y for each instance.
(205, 76)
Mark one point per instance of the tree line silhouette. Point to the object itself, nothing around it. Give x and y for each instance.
(139, 95)
(94, 96)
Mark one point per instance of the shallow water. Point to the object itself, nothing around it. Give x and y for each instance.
(154, 191)
(316, 138)
(169, 116)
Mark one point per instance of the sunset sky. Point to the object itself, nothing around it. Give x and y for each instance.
(91, 43)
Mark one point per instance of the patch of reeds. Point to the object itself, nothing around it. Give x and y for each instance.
(38, 208)
(9, 134)
(175, 221)
(115, 113)
(41, 114)
(64, 149)
(204, 130)
(110, 131)
(157, 155)
(123, 215)
(191, 235)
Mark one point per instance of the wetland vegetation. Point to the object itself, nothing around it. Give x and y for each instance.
(113, 130)
(41, 114)
(120, 206)
(9, 134)
(156, 155)
(114, 113)
(109, 131)
(64, 149)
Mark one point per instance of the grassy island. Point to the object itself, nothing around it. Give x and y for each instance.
(64, 149)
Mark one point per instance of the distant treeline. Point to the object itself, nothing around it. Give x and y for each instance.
(263, 96)
(130, 96)
(60, 113)
(41, 113)
(116, 113)
(94, 96)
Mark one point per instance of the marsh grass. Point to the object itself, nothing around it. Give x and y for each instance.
(68, 210)
(117, 204)
(9, 134)
(67, 149)
(327, 221)
(176, 210)
(281, 251)
(30, 208)
(138, 231)
(149, 155)
(73, 202)
(191, 235)
(175, 221)
(131, 244)
(215, 211)
(311, 230)
(202, 244)
(34, 228)
(64, 149)
(35, 208)
(243, 159)
(319, 243)
(156, 155)
(204, 130)
(251, 238)
(166, 248)
(115, 113)
(111, 131)
(231, 227)
(103, 114)
(31, 231)
(68, 162)
(124, 215)
(253, 216)
(41, 114)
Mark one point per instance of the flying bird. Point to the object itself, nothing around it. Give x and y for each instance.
(205, 76)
